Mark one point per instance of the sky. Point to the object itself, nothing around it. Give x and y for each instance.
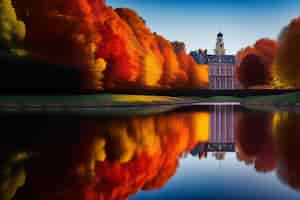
(197, 22)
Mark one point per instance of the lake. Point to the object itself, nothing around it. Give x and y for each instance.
(202, 152)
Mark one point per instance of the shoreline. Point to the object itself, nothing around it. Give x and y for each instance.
(106, 104)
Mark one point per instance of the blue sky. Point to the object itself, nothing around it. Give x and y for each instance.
(197, 22)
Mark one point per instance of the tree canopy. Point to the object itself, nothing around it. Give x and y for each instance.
(287, 67)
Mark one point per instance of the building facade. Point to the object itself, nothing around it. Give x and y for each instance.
(221, 68)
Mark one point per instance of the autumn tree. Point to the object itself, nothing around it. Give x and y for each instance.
(111, 48)
(12, 31)
(252, 71)
(287, 67)
(265, 51)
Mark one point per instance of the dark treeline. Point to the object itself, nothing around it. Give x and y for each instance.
(23, 74)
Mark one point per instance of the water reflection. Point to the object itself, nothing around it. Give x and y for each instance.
(221, 133)
(101, 158)
(105, 158)
(12, 175)
(287, 133)
(271, 142)
(255, 142)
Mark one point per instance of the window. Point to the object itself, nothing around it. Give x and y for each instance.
(230, 83)
(222, 83)
(213, 69)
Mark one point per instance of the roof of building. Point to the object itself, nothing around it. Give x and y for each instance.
(227, 59)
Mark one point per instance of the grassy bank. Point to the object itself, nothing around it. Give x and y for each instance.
(286, 102)
(112, 104)
(291, 99)
(96, 100)
(102, 104)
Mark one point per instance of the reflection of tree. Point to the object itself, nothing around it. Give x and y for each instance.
(288, 133)
(12, 175)
(256, 144)
(111, 159)
(254, 139)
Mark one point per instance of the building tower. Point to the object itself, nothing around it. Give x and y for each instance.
(220, 50)
(221, 67)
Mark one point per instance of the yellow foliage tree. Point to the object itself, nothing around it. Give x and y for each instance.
(12, 31)
(287, 67)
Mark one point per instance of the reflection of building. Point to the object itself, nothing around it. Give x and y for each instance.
(220, 147)
(221, 124)
(221, 133)
(219, 155)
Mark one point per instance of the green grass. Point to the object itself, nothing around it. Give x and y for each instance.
(108, 104)
(112, 99)
(290, 99)
(98, 105)
(72, 100)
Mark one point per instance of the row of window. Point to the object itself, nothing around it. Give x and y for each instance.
(222, 126)
(221, 83)
(221, 60)
(221, 70)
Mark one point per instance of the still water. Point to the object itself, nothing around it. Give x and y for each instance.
(215, 152)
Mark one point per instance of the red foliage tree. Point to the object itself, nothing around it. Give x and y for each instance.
(111, 48)
(265, 50)
(287, 68)
(120, 69)
(252, 71)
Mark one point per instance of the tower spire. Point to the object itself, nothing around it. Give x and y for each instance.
(220, 50)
